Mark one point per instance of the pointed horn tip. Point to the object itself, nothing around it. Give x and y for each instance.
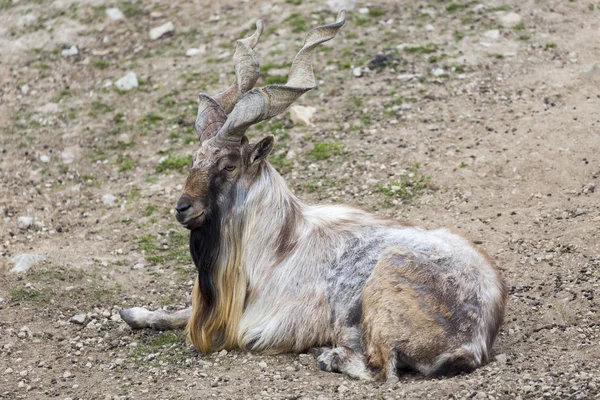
(341, 16)
(260, 25)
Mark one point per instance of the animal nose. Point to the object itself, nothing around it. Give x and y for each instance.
(183, 206)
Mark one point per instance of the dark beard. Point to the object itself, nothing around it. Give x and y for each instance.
(204, 248)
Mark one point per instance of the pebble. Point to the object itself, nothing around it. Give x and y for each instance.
(78, 319)
(357, 72)
(510, 19)
(492, 34)
(108, 199)
(23, 262)
(337, 5)
(429, 28)
(44, 158)
(301, 115)
(25, 89)
(501, 358)
(127, 81)
(193, 52)
(72, 51)
(25, 222)
(363, 10)
(160, 31)
(139, 266)
(408, 77)
(438, 72)
(262, 364)
(67, 374)
(342, 389)
(114, 14)
(48, 108)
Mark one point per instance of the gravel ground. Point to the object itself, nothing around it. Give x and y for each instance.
(480, 117)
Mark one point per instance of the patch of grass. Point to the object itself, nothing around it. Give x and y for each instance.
(100, 64)
(519, 27)
(29, 295)
(411, 184)
(149, 210)
(297, 22)
(172, 163)
(151, 119)
(458, 36)
(549, 45)
(131, 9)
(359, 21)
(454, 7)
(63, 93)
(276, 79)
(425, 49)
(294, 2)
(524, 37)
(97, 106)
(376, 12)
(503, 7)
(324, 150)
(125, 163)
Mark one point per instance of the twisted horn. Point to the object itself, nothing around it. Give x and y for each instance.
(266, 102)
(212, 112)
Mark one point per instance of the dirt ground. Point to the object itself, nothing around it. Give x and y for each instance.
(481, 117)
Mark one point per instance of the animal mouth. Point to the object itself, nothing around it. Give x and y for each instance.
(192, 221)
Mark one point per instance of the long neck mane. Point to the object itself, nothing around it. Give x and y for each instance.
(217, 248)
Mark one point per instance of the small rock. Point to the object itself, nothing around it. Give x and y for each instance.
(24, 222)
(25, 89)
(48, 108)
(357, 72)
(156, 15)
(72, 51)
(25, 261)
(363, 10)
(438, 72)
(139, 266)
(429, 28)
(67, 374)
(510, 19)
(262, 364)
(70, 154)
(342, 389)
(501, 358)
(301, 115)
(127, 82)
(223, 353)
(114, 14)
(193, 52)
(337, 5)
(58, 228)
(480, 395)
(108, 199)
(492, 34)
(78, 319)
(408, 77)
(44, 158)
(159, 31)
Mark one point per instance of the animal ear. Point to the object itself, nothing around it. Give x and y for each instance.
(261, 150)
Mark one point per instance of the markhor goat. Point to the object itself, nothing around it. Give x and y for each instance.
(276, 275)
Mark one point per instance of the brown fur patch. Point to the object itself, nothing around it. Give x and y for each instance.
(196, 183)
(401, 314)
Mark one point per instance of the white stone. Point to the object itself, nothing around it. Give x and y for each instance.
(44, 158)
(408, 77)
(363, 10)
(78, 319)
(127, 82)
(70, 154)
(159, 31)
(429, 28)
(437, 72)
(478, 8)
(114, 14)
(501, 358)
(25, 261)
(262, 364)
(193, 52)
(25, 89)
(139, 266)
(337, 5)
(510, 19)
(48, 108)
(72, 51)
(301, 115)
(108, 199)
(67, 374)
(357, 72)
(492, 34)
(24, 222)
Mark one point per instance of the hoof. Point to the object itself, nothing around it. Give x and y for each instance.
(135, 317)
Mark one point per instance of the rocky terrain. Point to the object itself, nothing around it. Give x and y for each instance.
(484, 117)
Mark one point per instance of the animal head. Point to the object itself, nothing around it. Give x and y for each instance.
(226, 164)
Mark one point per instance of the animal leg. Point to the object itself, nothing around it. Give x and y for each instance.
(138, 318)
(346, 361)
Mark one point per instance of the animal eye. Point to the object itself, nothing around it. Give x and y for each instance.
(229, 168)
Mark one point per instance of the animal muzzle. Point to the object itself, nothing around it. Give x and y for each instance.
(190, 213)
